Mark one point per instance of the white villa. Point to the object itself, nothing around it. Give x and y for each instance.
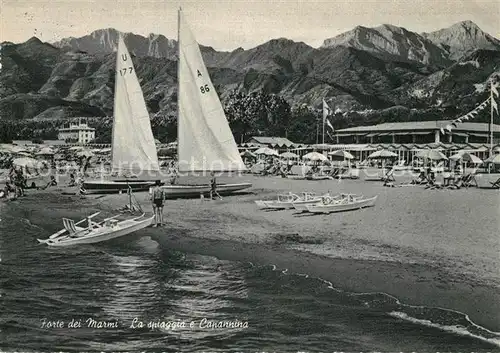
(77, 132)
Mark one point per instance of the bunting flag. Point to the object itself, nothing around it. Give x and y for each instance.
(471, 114)
(329, 124)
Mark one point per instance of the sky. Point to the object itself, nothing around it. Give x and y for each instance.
(229, 24)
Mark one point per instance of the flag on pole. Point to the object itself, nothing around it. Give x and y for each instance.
(326, 110)
(494, 104)
(494, 89)
(330, 125)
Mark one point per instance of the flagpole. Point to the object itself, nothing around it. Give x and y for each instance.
(324, 130)
(317, 131)
(491, 120)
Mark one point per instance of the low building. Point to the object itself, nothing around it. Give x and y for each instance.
(418, 132)
(271, 142)
(407, 138)
(77, 132)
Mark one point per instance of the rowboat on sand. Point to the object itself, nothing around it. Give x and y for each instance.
(288, 201)
(312, 198)
(108, 229)
(97, 232)
(349, 203)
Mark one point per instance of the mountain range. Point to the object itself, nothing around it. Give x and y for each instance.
(364, 70)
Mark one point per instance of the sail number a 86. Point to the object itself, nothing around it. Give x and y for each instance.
(204, 89)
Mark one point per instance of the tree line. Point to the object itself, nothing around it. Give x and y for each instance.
(249, 114)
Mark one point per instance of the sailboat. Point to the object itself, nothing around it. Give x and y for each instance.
(205, 141)
(133, 149)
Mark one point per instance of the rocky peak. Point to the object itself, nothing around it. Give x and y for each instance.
(389, 41)
(462, 38)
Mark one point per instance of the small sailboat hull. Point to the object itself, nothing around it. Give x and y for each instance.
(101, 234)
(173, 191)
(342, 205)
(115, 186)
(319, 177)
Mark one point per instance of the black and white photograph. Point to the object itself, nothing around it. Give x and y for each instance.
(249, 176)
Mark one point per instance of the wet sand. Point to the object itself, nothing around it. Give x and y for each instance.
(437, 248)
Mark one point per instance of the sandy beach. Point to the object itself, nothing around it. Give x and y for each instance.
(437, 248)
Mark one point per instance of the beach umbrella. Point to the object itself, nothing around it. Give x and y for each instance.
(76, 148)
(46, 151)
(341, 154)
(84, 153)
(247, 154)
(430, 154)
(434, 155)
(466, 157)
(382, 154)
(289, 155)
(27, 162)
(266, 151)
(495, 159)
(315, 156)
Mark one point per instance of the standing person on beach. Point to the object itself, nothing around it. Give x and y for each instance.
(157, 197)
(213, 187)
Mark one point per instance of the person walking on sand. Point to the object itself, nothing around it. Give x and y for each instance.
(213, 187)
(157, 197)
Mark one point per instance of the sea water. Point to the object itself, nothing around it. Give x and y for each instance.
(140, 296)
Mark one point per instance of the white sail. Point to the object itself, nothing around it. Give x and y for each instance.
(133, 145)
(205, 139)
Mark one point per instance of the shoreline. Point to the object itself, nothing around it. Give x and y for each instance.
(234, 229)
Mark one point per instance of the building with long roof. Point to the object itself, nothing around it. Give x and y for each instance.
(407, 138)
(419, 132)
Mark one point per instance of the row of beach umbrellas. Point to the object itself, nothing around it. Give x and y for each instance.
(429, 154)
(436, 155)
(312, 156)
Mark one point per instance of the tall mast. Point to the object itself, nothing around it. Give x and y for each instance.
(317, 130)
(178, 78)
(491, 119)
(323, 130)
